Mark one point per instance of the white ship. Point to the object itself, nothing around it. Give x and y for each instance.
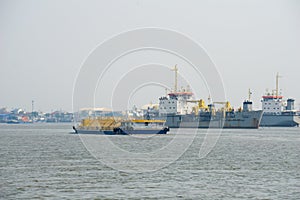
(277, 111)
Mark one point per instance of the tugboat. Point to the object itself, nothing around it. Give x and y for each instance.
(278, 112)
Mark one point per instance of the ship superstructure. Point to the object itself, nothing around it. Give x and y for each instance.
(176, 102)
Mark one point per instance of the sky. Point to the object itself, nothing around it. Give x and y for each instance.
(44, 44)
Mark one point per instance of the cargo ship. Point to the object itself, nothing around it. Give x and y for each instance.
(202, 116)
(181, 110)
(277, 111)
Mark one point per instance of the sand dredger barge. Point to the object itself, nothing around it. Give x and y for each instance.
(120, 126)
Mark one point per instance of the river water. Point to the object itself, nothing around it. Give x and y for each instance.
(45, 161)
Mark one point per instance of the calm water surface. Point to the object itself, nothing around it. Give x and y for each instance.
(45, 161)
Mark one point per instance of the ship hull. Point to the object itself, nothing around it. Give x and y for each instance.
(238, 120)
(144, 132)
(120, 132)
(99, 132)
(280, 121)
(141, 131)
(94, 131)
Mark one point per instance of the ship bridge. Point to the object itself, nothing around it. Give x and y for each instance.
(184, 94)
(273, 103)
(272, 97)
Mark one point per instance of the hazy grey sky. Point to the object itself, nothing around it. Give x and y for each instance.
(44, 43)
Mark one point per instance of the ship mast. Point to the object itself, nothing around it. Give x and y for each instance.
(176, 77)
(32, 109)
(277, 84)
(249, 95)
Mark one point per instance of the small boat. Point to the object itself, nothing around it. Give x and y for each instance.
(13, 121)
(142, 126)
